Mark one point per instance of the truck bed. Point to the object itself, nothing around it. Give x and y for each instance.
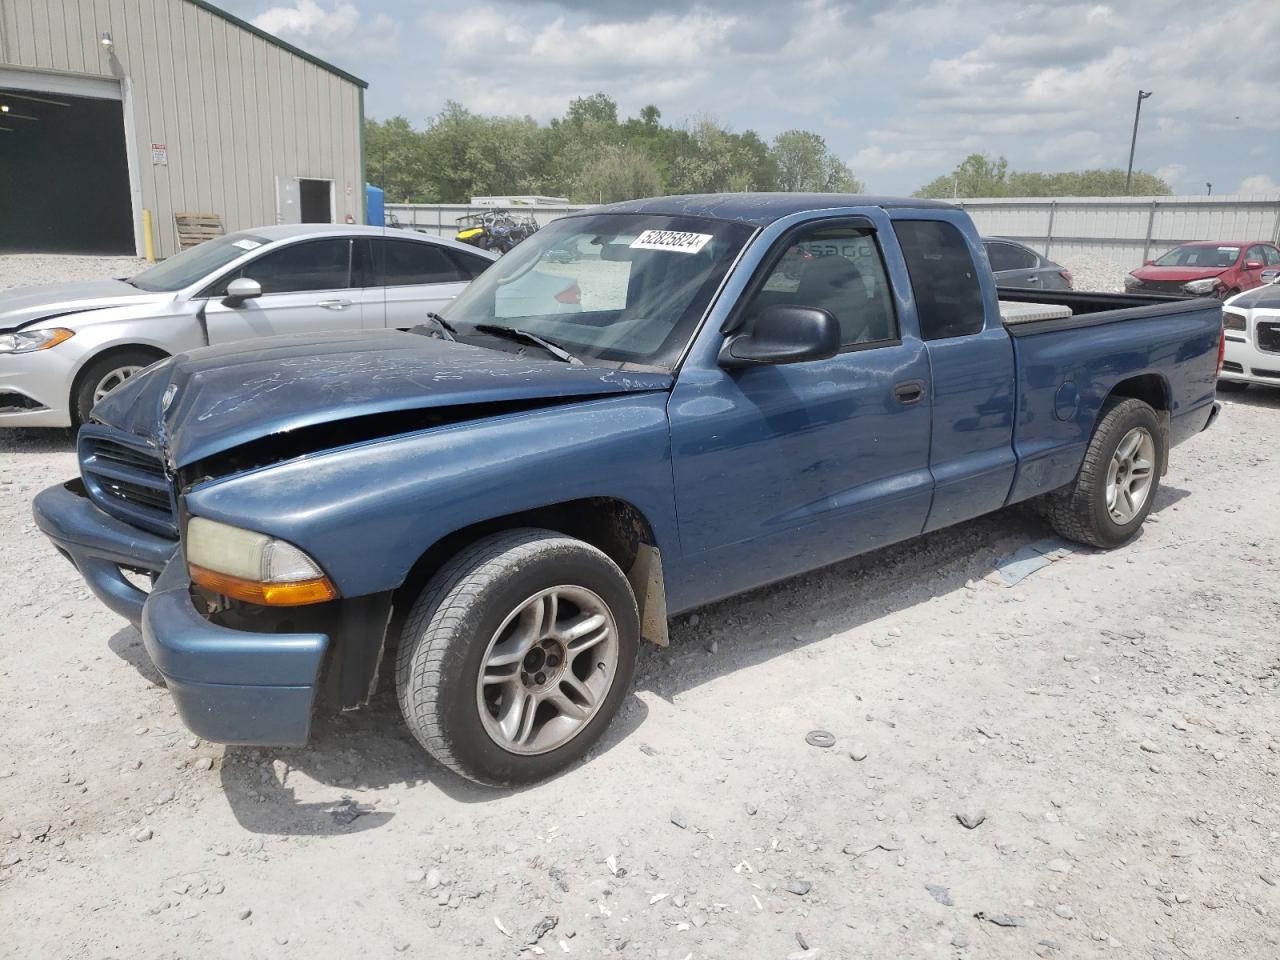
(1092, 308)
(1163, 349)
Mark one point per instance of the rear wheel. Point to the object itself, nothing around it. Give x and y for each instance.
(516, 656)
(1117, 483)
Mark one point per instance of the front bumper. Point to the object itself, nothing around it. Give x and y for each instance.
(230, 686)
(43, 378)
(1243, 362)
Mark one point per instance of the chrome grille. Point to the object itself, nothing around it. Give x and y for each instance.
(125, 476)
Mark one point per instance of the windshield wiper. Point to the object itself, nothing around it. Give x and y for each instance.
(440, 328)
(515, 333)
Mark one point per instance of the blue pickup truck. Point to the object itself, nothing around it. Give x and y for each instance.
(643, 408)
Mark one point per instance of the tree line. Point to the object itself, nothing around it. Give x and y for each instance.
(981, 176)
(590, 155)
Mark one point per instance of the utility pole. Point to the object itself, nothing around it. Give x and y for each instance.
(1133, 143)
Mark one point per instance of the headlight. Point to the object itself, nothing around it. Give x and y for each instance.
(28, 341)
(1131, 282)
(253, 567)
(1232, 321)
(1201, 287)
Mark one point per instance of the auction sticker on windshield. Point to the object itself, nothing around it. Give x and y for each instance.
(675, 240)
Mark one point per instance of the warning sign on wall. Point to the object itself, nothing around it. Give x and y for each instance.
(160, 154)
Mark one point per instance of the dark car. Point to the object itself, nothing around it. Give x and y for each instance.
(1207, 268)
(1017, 265)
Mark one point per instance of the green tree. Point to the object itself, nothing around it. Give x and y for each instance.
(470, 155)
(711, 158)
(620, 172)
(396, 160)
(980, 176)
(591, 154)
(976, 176)
(805, 163)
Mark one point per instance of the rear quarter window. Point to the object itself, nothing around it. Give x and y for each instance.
(943, 278)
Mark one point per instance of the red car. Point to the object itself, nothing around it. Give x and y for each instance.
(1206, 268)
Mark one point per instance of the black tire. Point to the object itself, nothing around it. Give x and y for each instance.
(95, 370)
(447, 635)
(1232, 386)
(1079, 511)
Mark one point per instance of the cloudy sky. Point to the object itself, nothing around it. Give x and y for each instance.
(901, 90)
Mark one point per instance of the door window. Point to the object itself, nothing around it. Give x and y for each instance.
(1272, 255)
(403, 263)
(469, 265)
(839, 269)
(1007, 256)
(1256, 254)
(943, 277)
(300, 267)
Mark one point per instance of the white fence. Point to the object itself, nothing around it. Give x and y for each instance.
(441, 219)
(1127, 230)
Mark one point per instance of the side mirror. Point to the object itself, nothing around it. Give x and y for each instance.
(1148, 263)
(783, 333)
(240, 290)
(1253, 265)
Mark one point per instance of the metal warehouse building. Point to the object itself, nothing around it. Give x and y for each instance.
(109, 108)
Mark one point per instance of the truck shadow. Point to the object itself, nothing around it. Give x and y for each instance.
(754, 628)
(361, 755)
(37, 440)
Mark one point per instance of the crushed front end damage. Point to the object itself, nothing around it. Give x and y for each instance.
(241, 673)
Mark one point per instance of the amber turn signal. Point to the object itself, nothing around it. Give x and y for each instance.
(292, 594)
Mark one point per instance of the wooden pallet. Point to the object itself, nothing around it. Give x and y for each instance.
(196, 228)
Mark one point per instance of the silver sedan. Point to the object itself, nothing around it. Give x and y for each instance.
(63, 347)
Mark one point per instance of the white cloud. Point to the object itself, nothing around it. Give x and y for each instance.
(904, 89)
(1174, 174)
(1258, 183)
(326, 31)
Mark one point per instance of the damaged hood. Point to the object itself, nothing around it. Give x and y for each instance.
(26, 305)
(201, 403)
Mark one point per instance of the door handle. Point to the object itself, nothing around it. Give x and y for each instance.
(909, 391)
(1033, 279)
(334, 304)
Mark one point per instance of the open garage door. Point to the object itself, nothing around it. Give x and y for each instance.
(64, 170)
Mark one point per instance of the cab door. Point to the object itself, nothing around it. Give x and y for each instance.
(307, 287)
(970, 360)
(784, 468)
(1255, 261)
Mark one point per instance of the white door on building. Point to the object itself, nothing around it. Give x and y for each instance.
(288, 200)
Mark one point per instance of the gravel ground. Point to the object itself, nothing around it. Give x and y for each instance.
(1092, 272)
(31, 269)
(1108, 726)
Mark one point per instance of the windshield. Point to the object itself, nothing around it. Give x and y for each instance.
(626, 288)
(191, 266)
(1200, 257)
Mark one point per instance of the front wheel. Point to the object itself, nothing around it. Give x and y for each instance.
(517, 655)
(1117, 483)
(101, 376)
